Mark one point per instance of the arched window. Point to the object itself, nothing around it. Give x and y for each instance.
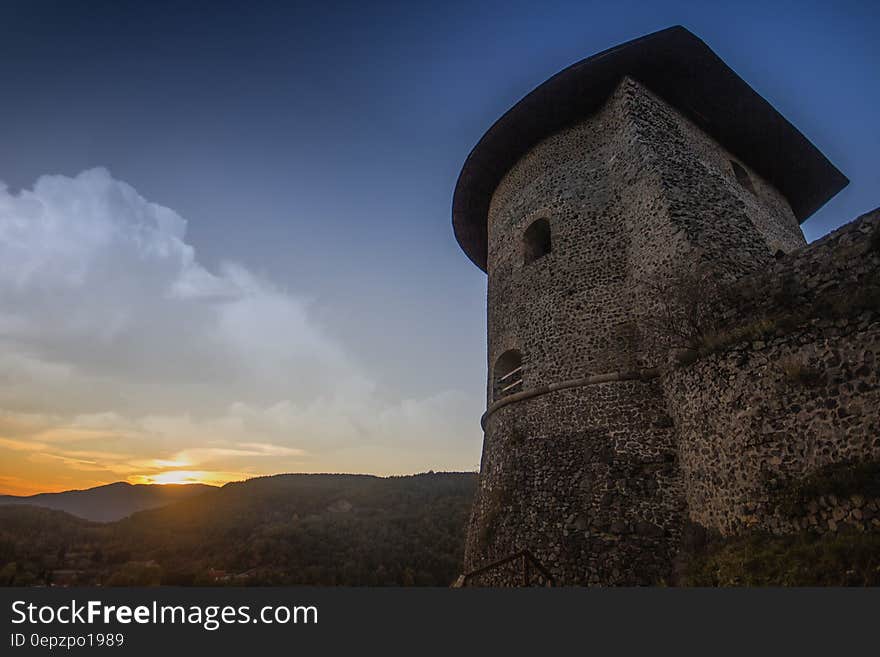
(742, 176)
(536, 241)
(507, 374)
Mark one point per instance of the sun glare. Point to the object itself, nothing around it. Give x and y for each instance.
(188, 477)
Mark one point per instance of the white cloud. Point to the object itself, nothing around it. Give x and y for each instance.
(112, 332)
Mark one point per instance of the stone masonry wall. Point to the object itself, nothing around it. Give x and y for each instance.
(706, 215)
(562, 310)
(587, 478)
(760, 415)
(629, 193)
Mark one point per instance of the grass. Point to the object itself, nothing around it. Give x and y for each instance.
(689, 316)
(848, 558)
(756, 330)
(865, 298)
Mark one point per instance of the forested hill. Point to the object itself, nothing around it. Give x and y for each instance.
(287, 529)
(110, 502)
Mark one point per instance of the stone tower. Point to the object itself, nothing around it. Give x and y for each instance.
(577, 203)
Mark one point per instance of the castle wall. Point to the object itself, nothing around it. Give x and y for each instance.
(580, 477)
(587, 478)
(705, 216)
(629, 194)
(584, 479)
(735, 225)
(760, 415)
(562, 311)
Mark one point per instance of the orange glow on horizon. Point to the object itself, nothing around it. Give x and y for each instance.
(189, 477)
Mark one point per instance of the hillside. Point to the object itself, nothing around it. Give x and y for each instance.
(286, 529)
(110, 502)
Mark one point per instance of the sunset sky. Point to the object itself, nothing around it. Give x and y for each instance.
(225, 240)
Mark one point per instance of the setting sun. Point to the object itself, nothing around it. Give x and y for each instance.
(188, 477)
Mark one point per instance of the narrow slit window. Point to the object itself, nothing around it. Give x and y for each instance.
(508, 374)
(742, 176)
(536, 241)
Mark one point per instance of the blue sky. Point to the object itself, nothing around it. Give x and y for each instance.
(312, 152)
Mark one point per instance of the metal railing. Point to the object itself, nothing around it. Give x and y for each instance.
(510, 380)
(528, 562)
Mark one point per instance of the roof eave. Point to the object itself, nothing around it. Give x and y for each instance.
(680, 68)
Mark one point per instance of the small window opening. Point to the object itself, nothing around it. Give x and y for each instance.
(536, 241)
(507, 373)
(742, 176)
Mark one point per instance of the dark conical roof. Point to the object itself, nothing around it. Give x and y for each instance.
(680, 68)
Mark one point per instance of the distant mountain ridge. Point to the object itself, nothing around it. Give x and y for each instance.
(111, 502)
(292, 529)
